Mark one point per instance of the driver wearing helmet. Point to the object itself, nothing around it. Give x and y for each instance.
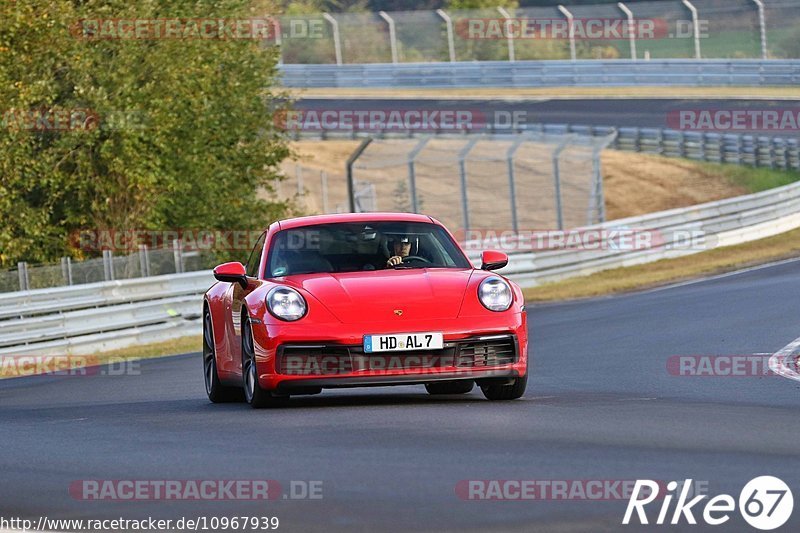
(401, 248)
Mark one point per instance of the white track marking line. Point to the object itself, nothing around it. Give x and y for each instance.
(779, 362)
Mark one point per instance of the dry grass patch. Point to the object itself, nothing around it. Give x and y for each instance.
(634, 183)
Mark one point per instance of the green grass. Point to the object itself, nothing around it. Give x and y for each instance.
(753, 179)
(718, 45)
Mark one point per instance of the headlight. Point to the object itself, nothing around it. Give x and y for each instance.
(286, 304)
(495, 294)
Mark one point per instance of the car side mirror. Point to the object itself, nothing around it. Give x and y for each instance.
(231, 273)
(491, 260)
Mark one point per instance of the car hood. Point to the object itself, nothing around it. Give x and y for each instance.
(367, 297)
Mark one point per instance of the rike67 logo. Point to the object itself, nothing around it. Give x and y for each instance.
(765, 503)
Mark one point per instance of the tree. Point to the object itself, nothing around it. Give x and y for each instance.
(173, 133)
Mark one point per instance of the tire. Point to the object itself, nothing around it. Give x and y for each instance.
(216, 391)
(506, 392)
(253, 393)
(450, 387)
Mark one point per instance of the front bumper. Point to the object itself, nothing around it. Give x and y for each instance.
(288, 362)
(304, 385)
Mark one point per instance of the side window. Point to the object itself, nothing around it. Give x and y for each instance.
(251, 269)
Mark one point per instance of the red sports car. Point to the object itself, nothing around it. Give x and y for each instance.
(366, 299)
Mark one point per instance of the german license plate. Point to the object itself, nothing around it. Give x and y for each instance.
(402, 342)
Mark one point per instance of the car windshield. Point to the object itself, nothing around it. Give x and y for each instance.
(354, 247)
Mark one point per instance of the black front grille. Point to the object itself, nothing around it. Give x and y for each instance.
(327, 360)
(487, 351)
(314, 360)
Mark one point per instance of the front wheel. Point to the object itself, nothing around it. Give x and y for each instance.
(506, 392)
(216, 391)
(253, 393)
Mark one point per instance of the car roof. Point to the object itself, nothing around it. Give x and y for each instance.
(352, 217)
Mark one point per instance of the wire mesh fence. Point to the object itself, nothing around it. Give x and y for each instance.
(142, 263)
(9, 281)
(658, 29)
(533, 180)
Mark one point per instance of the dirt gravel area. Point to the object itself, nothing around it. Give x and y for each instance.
(634, 183)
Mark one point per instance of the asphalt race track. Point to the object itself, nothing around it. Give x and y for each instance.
(600, 406)
(622, 112)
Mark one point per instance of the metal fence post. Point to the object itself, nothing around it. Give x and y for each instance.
(66, 269)
(412, 176)
(762, 26)
(24, 280)
(512, 187)
(462, 169)
(631, 28)
(323, 178)
(598, 199)
(696, 25)
(571, 22)
(337, 41)
(108, 265)
(509, 35)
(392, 34)
(594, 203)
(451, 45)
(144, 261)
(557, 180)
(351, 190)
(177, 254)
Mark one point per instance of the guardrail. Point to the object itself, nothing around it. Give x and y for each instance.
(721, 223)
(101, 316)
(82, 319)
(618, 72)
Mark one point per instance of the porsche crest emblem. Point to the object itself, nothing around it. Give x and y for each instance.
(398, 312)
